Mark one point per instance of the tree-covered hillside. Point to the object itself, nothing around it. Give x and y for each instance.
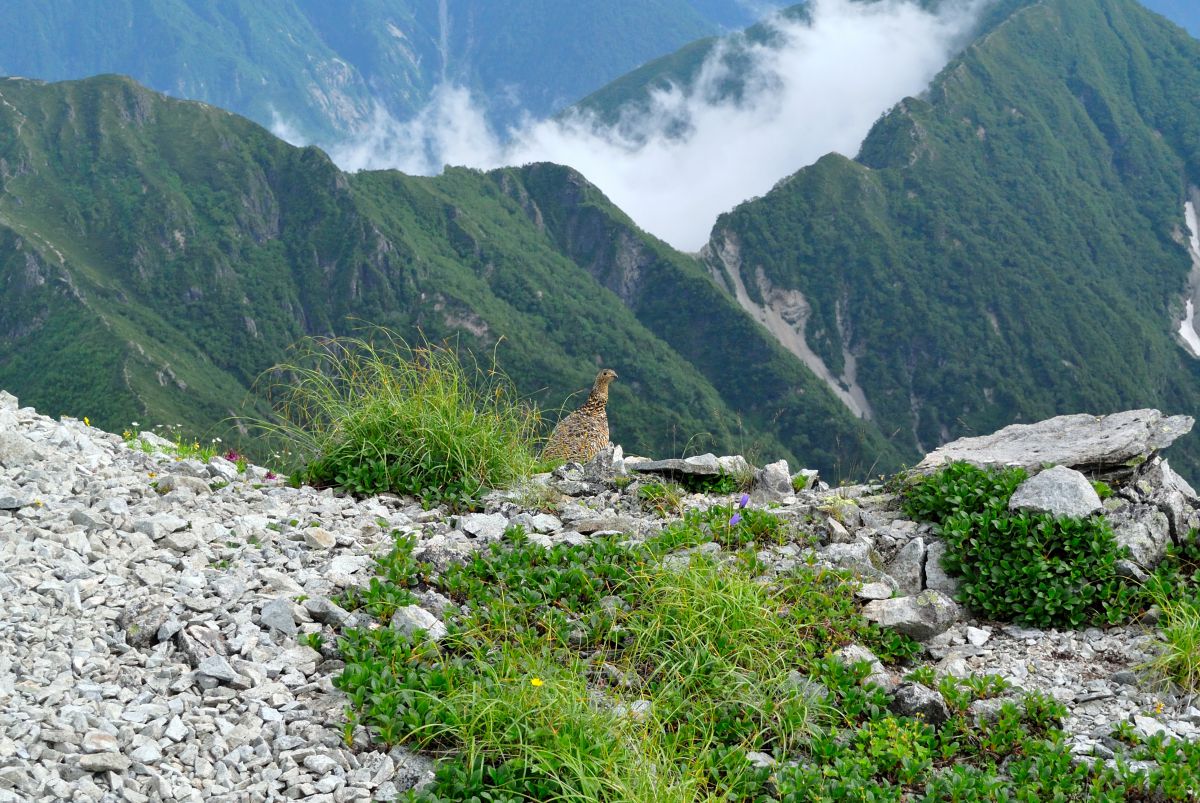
(1008, 247)
(157, 255)
(321, 66)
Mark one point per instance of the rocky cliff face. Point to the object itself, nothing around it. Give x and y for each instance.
(155, 635)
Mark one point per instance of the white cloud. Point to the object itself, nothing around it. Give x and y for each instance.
(818, 89)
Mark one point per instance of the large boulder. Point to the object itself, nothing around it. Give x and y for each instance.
(1059, 491)
(1085, 442)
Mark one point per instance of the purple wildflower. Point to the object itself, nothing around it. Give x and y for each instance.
(736, 518)
(745, 500)
(271, 475)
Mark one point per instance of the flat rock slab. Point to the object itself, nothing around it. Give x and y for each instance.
(1077, 441)
(705, 465)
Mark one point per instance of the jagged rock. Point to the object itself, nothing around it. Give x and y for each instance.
(773, 483)
(13, 502)
(1171, 494)
(1078, 441)
(538, 522)
(918, 700)
(319, 538)
(1059, 491)
(217, 667)
(411, 618)
(921, 616)
(488, 526)
(277, 615)
(858, 556)
(197, 642)
(936, 578)
(221, 469)
(1144, 530)
(8, 401)
(908, 567)
(17, 451)
(876, 590)
(141, 621)
(184, 483)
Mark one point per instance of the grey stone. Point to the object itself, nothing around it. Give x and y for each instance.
(321, 765)
(977, 636)
(918, 700)
(876, 590)
(277, 615)
(183, 541)
(620, 524)
(87, 519)
(17, 451)
(773, 483)
(105, 762)
(8, 401)
(183, 482)
(908, 567)
(97, 741)
(538, 522)
(326, 612)
(283, 582)
(1144, 530)
(936, 578)
(221, 469)
(198, 642)
(217, 667)
(859, 556)
(411, 618)
(487, 526)
(1077, 441)
(318, 538)
(141, 621)
(1059, 491)
(705, 465)
(760, 760)
(12, 502)
(921, 616)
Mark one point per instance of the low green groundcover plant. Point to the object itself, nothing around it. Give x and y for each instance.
(622, 671)
(371, 418)
(1032, 568)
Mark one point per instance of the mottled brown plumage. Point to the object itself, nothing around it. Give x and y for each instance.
(582, 434)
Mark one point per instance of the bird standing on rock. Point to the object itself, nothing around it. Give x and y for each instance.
(583, 433)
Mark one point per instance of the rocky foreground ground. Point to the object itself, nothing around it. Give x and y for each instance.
(153, 606)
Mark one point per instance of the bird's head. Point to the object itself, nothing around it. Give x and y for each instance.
(600, 388)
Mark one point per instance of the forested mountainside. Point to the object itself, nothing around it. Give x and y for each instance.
(322, 67)
(1011, 245)
(157, 255)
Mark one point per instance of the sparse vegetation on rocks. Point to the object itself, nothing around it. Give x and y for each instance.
(565, 641)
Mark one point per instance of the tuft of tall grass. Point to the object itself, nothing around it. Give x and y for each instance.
(1178, 658)
(378, 415)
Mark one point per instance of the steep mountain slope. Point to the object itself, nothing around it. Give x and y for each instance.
(1009, 247)
(157, 255)
(322, 66)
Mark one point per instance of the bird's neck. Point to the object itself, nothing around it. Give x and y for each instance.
(598, 397)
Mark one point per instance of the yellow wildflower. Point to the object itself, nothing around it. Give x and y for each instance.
(535, 682)
(86, 422)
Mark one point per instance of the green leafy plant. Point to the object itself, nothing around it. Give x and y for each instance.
(1018, 566)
